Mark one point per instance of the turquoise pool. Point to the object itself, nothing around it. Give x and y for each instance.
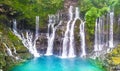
(53, 63)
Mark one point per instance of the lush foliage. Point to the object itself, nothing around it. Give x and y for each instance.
(7, 37)
(92, 9)
(28, 9)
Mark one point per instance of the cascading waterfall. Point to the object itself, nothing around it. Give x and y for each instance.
(8, 50)
(28, 40)
(82, 35)
(30, 44)
(70, 30)
(15, 30)
(96, 37)
(71, 49)
(51, 35)
(36, 54)
(107, 28)
(99, 35)
(99, 38)
(68, 46)
(66, 36)
(37, 27)
(14, 26)
(111, 30)
(102, 33)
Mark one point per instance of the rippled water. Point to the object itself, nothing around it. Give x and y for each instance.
(52, 63)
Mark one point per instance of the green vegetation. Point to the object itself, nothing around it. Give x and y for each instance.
(113, 58)
(24, 11)
(92, 9)
(7, 37)
(28, 9)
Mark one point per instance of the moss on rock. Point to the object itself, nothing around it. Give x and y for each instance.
(7, 37)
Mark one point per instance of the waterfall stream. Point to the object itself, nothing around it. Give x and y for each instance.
(27, 39)
(82, 34)
(51, 35)
(69, 35)
(9, 52)
(66, 35)
(103, 37)
(96, 37)
(99, 36)
(111, 30)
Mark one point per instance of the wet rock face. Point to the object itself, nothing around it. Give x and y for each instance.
(41, 43)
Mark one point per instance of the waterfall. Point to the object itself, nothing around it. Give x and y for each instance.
(107, 30)
(9, 52)
(69, 35)
(68, 47)
(100, 35)
(30, 44)
(36, 54)
(96, 37)
(14, 26)
(111, 30)
(66, 36)
(51, 35)
(14, 50)
(82, 35)
(15, 30)
(37, 27)
(71, 47)
(28, 41)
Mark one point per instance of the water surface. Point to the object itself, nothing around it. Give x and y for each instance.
(53, 63)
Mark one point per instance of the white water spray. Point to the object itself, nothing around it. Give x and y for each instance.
(37, 27)
(99, 35)
(71, 47)
(66, 36)
(82, 35)
(111, 30)
(51, 35)
(15, 30)
(9, 52)
(96, 37)
(28, 41)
